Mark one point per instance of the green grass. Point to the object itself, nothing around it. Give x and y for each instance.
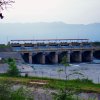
(80, 85)
(76, 84)
(4, 46)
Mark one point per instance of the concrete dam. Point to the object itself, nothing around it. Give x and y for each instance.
(51, 51)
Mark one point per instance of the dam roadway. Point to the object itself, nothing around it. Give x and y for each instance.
(51, 51)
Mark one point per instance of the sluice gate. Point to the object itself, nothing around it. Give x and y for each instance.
(51, 51)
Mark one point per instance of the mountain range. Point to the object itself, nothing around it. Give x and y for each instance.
(44, 30)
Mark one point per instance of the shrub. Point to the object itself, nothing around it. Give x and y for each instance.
(63, 94)
(13, 70)
(8, 92)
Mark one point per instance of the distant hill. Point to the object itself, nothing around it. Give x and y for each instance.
(48, 30)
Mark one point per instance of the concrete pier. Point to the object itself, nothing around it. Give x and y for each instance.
(68, 56)
(30, 58)
(80, 56)
(56, 58)
(91, 56)
(43, 58)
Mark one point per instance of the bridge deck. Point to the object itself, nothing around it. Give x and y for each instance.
(63, 48)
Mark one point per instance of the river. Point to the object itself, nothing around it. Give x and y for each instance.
(90, 71)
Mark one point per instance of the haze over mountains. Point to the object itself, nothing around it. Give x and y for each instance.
(45, 30)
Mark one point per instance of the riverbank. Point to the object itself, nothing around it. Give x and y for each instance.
(90, 71)
(79, 85)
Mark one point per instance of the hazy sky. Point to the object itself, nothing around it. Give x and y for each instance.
(68, 11)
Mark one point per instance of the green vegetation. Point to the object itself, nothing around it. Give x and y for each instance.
(97, 43)
(65, 89)
(63, 95)
(12, 71)
(65, 63)
(82, 85)
(8, 92)
(4, 46)
(59, 72)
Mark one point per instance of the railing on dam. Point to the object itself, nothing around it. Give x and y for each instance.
(50, 48)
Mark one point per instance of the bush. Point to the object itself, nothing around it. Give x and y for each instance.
(4, 91)
(84, 80)
(21, 94)
(13, 70)
(63, 94)
(8, 92)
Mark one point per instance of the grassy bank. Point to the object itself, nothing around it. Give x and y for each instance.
(80, 85)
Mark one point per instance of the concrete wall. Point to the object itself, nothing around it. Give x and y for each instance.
(17, 56)
(5, 49)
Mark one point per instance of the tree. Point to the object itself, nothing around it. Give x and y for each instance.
(59, 72)
(13, 70)
(66, 64)
(3, 5)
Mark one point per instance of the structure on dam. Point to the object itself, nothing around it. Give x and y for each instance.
(51, 51)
